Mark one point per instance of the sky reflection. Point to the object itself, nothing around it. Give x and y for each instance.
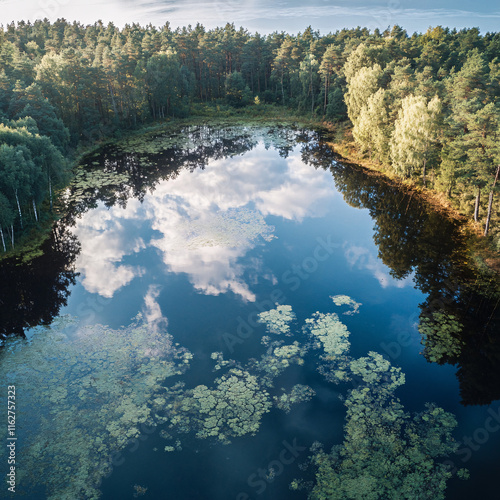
(204, 222)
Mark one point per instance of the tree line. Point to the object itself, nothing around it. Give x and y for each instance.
(426, 104)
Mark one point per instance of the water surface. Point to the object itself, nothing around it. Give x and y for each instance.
(154, 284)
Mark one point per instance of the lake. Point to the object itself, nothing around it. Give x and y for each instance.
(217, 301)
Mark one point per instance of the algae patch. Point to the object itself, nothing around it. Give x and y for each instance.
(441, 336)
(234, 407)
(278, 320)
(386, 453)
(232, 228)
(97, 387)
(86, 392)
(330, 331)
(345, 300)
(299, 394)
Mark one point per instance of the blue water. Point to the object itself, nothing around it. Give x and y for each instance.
(267, 229)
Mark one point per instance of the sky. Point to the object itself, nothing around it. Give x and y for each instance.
(266, 16)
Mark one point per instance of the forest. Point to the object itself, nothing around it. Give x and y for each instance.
(424, 104)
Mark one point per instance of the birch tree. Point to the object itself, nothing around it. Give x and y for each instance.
(364, 84)
(371, 128)
(415, 137)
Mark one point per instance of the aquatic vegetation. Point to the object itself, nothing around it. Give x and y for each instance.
(93, 392)
(277, 358)
(234, 407)
(386, 453)
(299, 394)
(221, 362)
(345, 300)
(87, 183)
(330, 332)
(232, 228)
(139, 491)
(199, 136)
(374, 369)
(148, 144)
(97, 386)
(441, 336)
(236, 402)
(278, 320)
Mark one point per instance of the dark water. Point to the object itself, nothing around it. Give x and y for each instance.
(200, 236)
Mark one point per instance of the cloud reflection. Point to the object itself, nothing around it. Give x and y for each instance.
(152, 309)
(204, 223)
(104, 243)
(361, 258)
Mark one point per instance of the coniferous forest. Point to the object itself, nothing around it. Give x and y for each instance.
(424, 104)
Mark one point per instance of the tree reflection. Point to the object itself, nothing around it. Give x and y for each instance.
(460, 319)
(460, 316)
(115, 174)
(32, 293)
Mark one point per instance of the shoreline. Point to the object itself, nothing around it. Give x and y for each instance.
(481, 247)
(335, 139)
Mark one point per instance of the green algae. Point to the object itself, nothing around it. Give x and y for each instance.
(92, 395)
(98, 386)
(386, 453)
(330, 332)
(195, 136)
(277, 358)
(441, 336)
(278, 320)
(299, 394)
(139, 490)
(236, 402)
(345, 300)
(234, 407)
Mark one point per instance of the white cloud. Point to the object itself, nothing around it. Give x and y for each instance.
(257, 14)
(207, 225)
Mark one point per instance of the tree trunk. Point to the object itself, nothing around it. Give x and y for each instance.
(3, 241)
(34, 208)
(12, 234)
(425, 161)
(490, 203)
(115, 111)
(476, 207)
(312, 96)
(19, 208)
(282, 90)
(50, 192)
